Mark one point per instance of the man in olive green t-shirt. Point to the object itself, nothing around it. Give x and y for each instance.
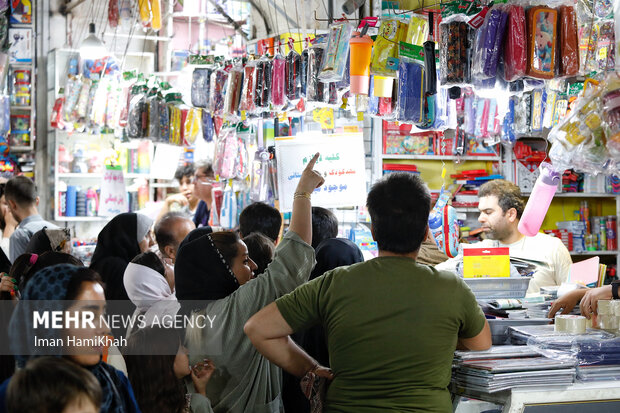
(392, 325)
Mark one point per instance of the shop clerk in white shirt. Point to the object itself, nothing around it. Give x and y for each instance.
(501, 206)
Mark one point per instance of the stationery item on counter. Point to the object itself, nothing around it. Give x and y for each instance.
(293, 78)
(539, 200)
(567, 323)
(542, 42)
(454, 60)
(569, 43)
(361, 50)
(278, 80)
(336, 53)
(384, 61)
(201, 81)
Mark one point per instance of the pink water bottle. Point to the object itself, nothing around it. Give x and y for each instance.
(539, 201)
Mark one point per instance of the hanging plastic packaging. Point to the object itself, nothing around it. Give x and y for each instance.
(226, 151)
(417, 31)
(293, 76)
(410, 91)
(216, 92)
(303, 63)
(207, 126)
(156, 15)
(136, 120)
(201, 81)
(569, 44)
(80, 110)
(444, 226)
(454, 54)
(228, 213)
(144, 8)
(263, 83)
(5, 116)
(515, 49)
(373, 101)
(175, 124)
(542, 29)
(316, 89)
(361, 50)
(489, 40)
(278, 80)
(113, 13)
(539, 200)
(164, 122)
(153, 103)
(336, 53)
(233, 91)
(385, 51)
(248, 91)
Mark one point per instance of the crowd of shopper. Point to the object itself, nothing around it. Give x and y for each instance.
(294, 320)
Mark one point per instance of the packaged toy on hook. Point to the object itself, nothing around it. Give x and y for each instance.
(336, 53)
(443, 224)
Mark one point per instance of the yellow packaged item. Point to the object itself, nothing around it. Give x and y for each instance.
(486, 262)
(384, 60)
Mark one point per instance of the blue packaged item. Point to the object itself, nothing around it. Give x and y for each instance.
(71, 201)
(207, 126)
(200, 87)
(373, 101)
(444, 225)
(410, 91)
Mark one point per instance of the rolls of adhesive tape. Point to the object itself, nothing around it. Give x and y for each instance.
(608, 322)
(615, 306)
(573, 324)
(605, 307)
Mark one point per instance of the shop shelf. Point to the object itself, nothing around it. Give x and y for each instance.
(16, 107)
(442, 157)
(580, 195)
(20, 148)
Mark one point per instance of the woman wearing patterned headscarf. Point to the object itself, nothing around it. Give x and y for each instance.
(51, 288)
(216, 273)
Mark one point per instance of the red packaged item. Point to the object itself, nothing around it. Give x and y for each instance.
(569, 44)
(515, 52)
(542, 42)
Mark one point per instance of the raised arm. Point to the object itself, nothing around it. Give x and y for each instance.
(301, 218)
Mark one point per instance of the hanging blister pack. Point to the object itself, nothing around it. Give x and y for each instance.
(384, 60)
(542, 40)
(263, 83)
(410, 102)
(315, 89)
(303, 62)
(217, 88)
(515, 48)
(336, 53)
(489, 41)
(233, 92)
(454, 52)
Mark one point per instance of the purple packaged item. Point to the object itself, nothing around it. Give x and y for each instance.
(495, 30)
(4, 5)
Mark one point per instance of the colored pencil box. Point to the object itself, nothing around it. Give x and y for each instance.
(542, 29)
(453, 53)
(515, 50)
(569, 44)
(410, 91)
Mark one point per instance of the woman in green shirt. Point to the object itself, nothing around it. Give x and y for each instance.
(214, 282)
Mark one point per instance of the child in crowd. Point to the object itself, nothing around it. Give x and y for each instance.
(53, 385)
(157, 364)
(261, 250)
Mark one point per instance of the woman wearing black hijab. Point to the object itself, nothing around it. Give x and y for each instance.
(330, 253)
(215, 272)
(124, 237)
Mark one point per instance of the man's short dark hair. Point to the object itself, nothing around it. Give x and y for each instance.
(324, 225)
(21, 190)
(508, 195)
(260, 250)
(164, 229)
(399, 205)
(183, 171)
(50, 384)
(151, 260)
(260, 217)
